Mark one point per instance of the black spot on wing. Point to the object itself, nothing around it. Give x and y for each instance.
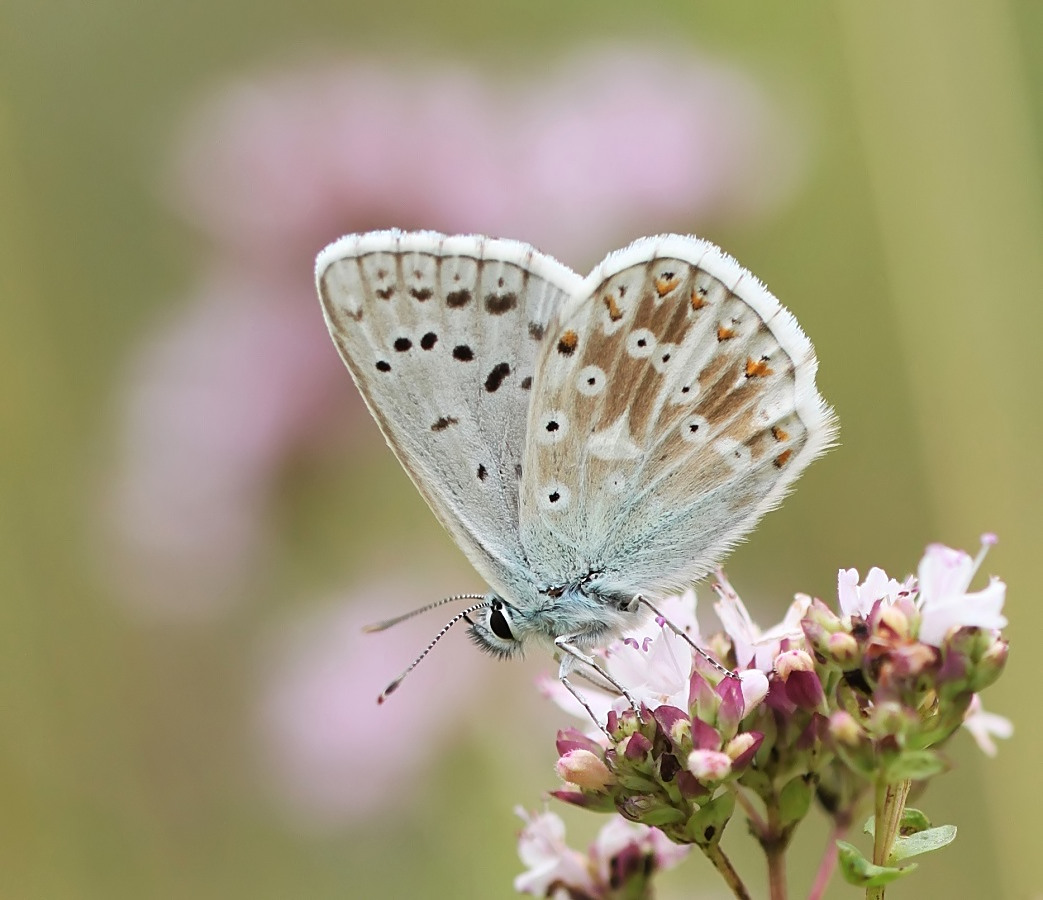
(444, 422)
(458, 299)
(498, 304)
(463, 353)
(383, 365)
(402, 344)
(429, 340)
(496, 376)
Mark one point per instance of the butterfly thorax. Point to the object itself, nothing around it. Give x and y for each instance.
(586, 612)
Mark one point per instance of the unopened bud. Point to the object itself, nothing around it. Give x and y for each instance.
(585, 770)
(709, 765)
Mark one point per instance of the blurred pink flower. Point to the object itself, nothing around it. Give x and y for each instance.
(611, 145)
(332, 754)
(984, 726)
(624, 855)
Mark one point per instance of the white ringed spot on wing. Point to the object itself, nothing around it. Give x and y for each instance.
(552, 428)
(554, 496)
(694, 429)
(685, 393)
(664, 353)
(590, 381)
(641, 343)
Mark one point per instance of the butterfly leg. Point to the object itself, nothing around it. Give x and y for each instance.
(582, 702)
(574, 654)
(724, 670)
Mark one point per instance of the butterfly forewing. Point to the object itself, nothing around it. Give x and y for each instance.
(673, 406)
(441, 336)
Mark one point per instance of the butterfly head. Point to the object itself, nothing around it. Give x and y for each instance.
(581, 612)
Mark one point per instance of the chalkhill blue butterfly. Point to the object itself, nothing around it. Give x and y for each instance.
(590, 443)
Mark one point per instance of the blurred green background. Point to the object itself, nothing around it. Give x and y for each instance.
(133, 758)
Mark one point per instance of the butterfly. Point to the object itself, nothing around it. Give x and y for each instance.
(589, 443)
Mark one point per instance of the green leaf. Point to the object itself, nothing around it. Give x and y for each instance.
(706, 825)
(859, 871)
(795, 800)
(633, 782)
(915, 765)
(913, 820)
(665, 815)
(922, 842)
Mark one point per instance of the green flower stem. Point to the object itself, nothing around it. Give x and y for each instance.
(716, 855)
(753, 816)
(890, 804)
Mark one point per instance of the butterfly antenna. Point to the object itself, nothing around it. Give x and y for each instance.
(391, 688)
(724, 670)
(387, 623)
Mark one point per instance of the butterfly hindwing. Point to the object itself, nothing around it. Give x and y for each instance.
(441, 336)
(674, 405)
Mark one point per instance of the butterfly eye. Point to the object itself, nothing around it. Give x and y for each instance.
(499, 626)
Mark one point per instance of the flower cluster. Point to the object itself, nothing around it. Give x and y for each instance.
(826, 705)
(619, 864)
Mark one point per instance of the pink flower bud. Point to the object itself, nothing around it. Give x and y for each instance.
(709, 765)
(793, 661)
(585, 770)
(844, 728)
(842, 647)
(741, 745)
(894, 620)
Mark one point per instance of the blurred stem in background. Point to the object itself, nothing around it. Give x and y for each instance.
(940, 99)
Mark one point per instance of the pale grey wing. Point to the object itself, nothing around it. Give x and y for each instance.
(440, 334)
(674, 406)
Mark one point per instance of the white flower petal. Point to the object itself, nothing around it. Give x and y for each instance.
(754, 687)
(981, 609)
(983, 726)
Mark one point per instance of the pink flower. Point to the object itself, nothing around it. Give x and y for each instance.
(751, 644)
(858, 599)
(244, 379)
(984, 726)
(654, 664)
(619, 840)
(333, 754)
(944, 602)
(549, 860)
(214, 406)
(622, 854)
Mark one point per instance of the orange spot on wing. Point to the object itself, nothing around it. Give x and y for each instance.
(664, 285)
(568, 343)
(614, 312)
(725, 333)
(780, 434)
(698, 299)
(783, 458)
(756, 368)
